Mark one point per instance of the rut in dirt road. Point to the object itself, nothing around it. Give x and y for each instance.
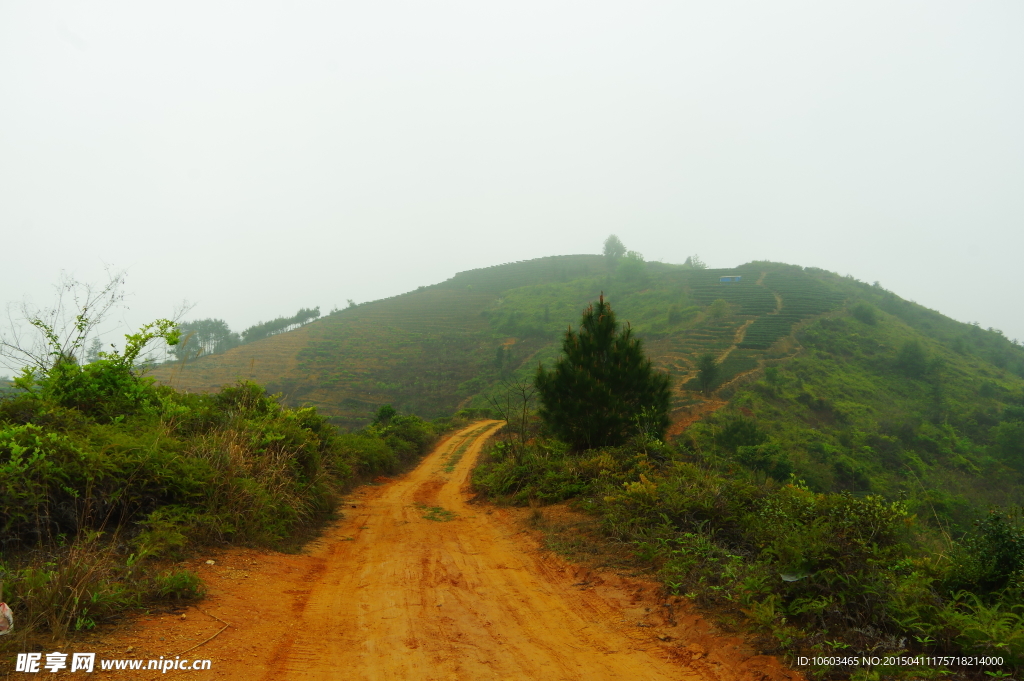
(418, 584)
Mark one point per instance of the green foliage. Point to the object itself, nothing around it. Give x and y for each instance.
(803, 567)
(601, 384)
(93, 491)
(1009, 437)
(990, 559)
(866, 313)
(107, 388)
(740, 432)
(768, 458)
(384, 415)
(178, 585)
(912, 360)
(436, 513)
(718, 309)
(547, 472)
(707, 371)
(262, 330)
(434, 349)
(205, 337)
(613, 249)
(632, 267)
(695, 262)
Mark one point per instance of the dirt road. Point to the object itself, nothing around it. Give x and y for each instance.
(416, 583)
(429, 589)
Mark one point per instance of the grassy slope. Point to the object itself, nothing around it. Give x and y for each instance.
(434, 349)
(827, 392)
(835, 401)
(416, 351)
(849, 417)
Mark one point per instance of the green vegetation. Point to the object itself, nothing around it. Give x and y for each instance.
(204, 337)
(859, 390)
(813, 572)
(707, 371)
(436, 513)
(107, 480)
(613, 250)
(856, 492)
(280, 325)
(214, 336)
(602, 389)
(428, 352)
(844, 466)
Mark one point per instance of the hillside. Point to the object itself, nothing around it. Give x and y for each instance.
(847, 480)
(425, 351)
(816, 363)
(431, 350)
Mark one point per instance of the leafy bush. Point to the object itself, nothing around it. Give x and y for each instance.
(866, 313)
(718, 309)
(179, 584)
(100, 479)
(912, 359)
(990, 559)
(768, 458)
(814, 571)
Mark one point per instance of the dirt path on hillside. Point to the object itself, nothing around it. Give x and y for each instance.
(430, 588)
(418, 582)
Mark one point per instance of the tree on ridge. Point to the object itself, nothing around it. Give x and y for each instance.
(603, 389)
(613, 250)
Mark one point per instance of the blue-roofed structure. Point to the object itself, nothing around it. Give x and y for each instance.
(729, 279)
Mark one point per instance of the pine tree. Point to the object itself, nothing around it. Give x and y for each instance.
(603, 388)
(707, 371)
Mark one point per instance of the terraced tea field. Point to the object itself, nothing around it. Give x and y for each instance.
(747, 296)
(802, 297)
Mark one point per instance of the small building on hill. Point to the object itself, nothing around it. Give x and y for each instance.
(729, 279)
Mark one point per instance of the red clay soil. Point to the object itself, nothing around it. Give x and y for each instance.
(682, 420)
(416, 583)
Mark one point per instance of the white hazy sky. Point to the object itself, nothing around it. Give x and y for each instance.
(256, 157)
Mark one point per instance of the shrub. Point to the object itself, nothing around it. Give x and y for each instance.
(178, 584)
(768, 458)
(740, 432)
(990, 559)
(707, 371)
(803, 567)
(865, 313)
(912, 359)
(718, 309)
(601, 384)
(90, 496)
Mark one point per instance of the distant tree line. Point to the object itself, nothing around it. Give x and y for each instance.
(280, 325)
(212, 336)
(205, 337)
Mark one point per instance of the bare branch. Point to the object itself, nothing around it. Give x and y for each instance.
(40, 337)
(514, 406)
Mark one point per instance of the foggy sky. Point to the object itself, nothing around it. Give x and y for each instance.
(256, 157)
